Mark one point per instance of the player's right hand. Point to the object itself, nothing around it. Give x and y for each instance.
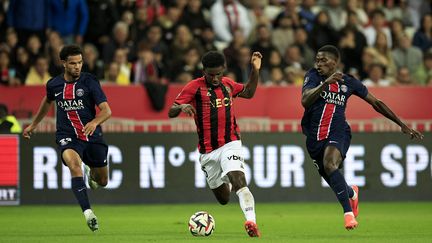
(28, 131)
(188, 109)
(335, 77)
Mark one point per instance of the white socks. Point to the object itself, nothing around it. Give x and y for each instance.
(247, 203)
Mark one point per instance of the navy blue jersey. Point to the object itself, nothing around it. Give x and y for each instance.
(326, 116)
(76, 103)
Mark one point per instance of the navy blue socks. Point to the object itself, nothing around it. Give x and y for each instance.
(340, 187)
(80, 190)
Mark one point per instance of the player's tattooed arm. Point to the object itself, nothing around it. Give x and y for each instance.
(311, 95)
(175, 110)
(43, 110)
(382, 108)
(250, 88)
(102, 116)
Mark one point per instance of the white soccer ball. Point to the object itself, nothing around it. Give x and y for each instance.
(201, 224)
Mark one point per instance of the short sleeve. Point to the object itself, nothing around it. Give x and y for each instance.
(237, 88)
(311, 80)
(359, 88)
(49, 91)
(187, 94)
(97, 92)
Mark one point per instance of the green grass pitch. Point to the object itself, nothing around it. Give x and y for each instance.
(281, 222)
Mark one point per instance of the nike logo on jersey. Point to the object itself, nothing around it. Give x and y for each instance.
(331, 141)
(57, 94)
(340, 192)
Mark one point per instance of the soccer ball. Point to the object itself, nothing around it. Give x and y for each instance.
(201, 224)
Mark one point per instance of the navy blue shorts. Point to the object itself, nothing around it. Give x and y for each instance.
(92, 154)
(316, 148)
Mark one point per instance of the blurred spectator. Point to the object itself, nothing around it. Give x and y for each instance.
(140, 26)
(208, 39)
(191, 64)
(351, 47)
(384, 54)
(356, 6)
(70, 19)
(408, 15)
(7, 72)
(55, 64)
(294, 75)
(3, 22)
(22, 65)
(272, 8)
(92, 64)
(301, 41)
(120, 39)
(11, 43)
(406, 55)
(112, 73)
(241, 67)
(145, 69)
(424, 71)
(376, 76)
(290, 9)
(283, 35)
(423, 36)
(169, 23)
(397, 29)
(227, 16)
(404, 78)
(182, 42)
(307, 14)
(231, 50)
(29, 17)
(8, 122)
(120, 57)
(293, 57)
(103, 16)
(378, 25)
(34, 47)
(322, 32)
(277, 77)
(193, 17)
(38, 74)
(263, 45)
(336, 13)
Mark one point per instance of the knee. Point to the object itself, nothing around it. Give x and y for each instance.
(75, 170)
(223, 200)
(329, 167)
(103, 181)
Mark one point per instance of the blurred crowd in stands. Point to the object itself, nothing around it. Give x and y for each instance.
(382, 42)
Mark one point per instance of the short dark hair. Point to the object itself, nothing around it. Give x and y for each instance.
(330, 49)
(70, 50)
(213, 59)
(3, 110)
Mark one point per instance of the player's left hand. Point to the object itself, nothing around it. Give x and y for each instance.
(256, 60)
(413, 133)
(89, 128)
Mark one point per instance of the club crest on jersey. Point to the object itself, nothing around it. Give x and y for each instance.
(65, 141)
(79, 92)
(344, 88)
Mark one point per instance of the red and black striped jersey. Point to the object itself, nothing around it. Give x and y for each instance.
(215, 118)
(76, 103)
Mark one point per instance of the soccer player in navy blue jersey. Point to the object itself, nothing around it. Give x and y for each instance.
(324, 96)
(209, 99)
(79, 135)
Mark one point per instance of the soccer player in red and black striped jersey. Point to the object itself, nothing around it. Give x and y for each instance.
(324, 96)
(78, 135)
(209, 99)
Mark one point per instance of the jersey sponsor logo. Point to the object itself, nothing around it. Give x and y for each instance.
(71, 105)
(57, 94)
(221, 102)
(333, 98)
(65, 141)
(234, 157)
(79, 92)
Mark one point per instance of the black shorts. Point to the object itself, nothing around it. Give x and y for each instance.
(316, 148)
(92, 154)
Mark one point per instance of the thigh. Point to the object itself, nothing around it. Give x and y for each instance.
(66, 144)
(95, 155)
(210, 165)
(232, 158)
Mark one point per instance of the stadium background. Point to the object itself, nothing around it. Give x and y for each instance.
(385, 163)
